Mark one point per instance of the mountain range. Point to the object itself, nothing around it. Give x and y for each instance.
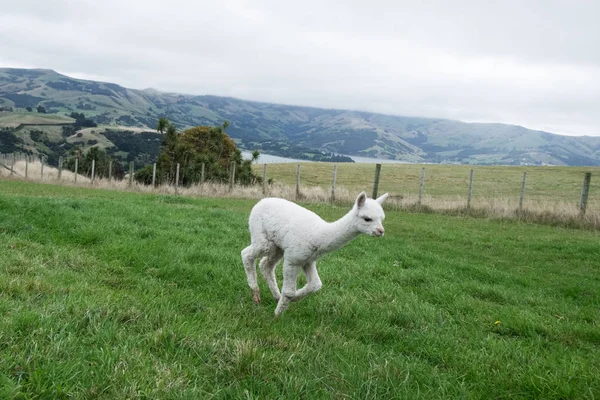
(277, 129)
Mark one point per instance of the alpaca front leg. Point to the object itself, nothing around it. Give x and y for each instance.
(288, 290)
(250, 268)
(313, 282)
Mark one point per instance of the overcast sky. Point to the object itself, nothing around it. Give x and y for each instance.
(527, 62)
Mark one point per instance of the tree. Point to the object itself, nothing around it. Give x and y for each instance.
(163, 124)
(166, 162)
(41, 109)
(29, 109)
(255, 155)
(101, 163)
(196, 146)
(82, 121)
(222, 129)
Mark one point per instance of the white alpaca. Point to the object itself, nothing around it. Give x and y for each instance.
(282, 229)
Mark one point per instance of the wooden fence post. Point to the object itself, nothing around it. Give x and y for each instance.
(93, 170)
(76, 168)
(470, 190)
(154, 175)
(421, 186)
(109, 170)
(12, 164)
(202, 173)
(42, 170)
(298, 182)
(177, 179)
(231, 175)
(130, 173)
(265, 179)
(585, 190)
(333, 183)
(376, 181)
(522, 191)
(26, 166)
(60, 167)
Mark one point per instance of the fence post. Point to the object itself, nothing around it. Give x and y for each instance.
(109, 170)
(298, 182)
(26, 166)
(93, 170)
(60, 165)
(470, 190)
(76, 168)
(376, 181)
(585, 190)
(421, 186)
(333, 183)
(522, 192)
(154, 175)
(130, 173)
(12, 164)
(177, 179)
(231, 175)
(42, 171)
(265, 179)
(202, 173)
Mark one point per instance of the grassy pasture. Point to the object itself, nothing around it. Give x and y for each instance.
(552, 194)
(109, 294)
(91, 134)
(14, 119)
(544, 184)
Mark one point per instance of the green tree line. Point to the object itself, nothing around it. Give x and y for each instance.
(208, 145)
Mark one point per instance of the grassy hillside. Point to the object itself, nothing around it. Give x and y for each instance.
(121, 295)
(53, 135)
(14, 119)
(291, 130)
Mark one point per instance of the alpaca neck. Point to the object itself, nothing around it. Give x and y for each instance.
(338, 234)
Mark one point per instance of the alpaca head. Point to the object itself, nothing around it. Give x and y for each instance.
(368, 214)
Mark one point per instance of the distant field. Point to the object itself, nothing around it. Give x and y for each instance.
(14, 119)
(90, 134)
(448, 182)
(112, 295)
(552, 194)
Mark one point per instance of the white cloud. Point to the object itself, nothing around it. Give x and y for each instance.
(529, 63)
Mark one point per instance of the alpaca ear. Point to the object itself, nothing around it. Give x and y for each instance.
(381, 198)
(361, 199)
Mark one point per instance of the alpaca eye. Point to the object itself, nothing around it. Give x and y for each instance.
(367, 219)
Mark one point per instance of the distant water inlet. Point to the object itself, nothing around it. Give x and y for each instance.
(566, 196)
(270, 159)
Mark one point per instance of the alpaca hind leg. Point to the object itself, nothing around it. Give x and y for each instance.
(313, 282)
(288, 290)
(249, 260)
(267, 267)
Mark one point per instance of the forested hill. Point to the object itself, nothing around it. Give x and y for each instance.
(291, 130)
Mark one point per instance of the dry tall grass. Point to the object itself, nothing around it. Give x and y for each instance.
(553, 211)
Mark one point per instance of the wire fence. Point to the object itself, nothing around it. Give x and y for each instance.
(554, 194)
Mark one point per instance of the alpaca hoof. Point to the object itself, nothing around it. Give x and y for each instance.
(256, 296)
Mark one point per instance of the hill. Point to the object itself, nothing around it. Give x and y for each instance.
(292, 130)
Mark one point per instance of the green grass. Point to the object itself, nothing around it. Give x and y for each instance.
(107, 294)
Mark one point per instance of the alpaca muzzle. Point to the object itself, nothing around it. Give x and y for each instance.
(379, 231)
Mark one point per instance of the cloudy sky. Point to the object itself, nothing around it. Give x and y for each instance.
(531, 63)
